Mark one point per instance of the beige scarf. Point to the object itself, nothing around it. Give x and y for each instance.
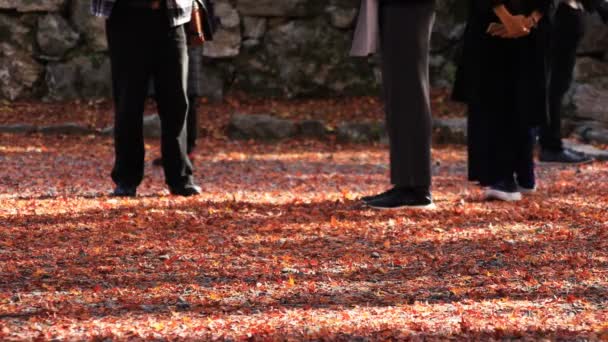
(367, 31)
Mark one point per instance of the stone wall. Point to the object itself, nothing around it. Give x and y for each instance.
(54, 50)
(589, 96)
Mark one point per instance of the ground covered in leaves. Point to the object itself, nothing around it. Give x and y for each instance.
(278, 248)
(214, 116)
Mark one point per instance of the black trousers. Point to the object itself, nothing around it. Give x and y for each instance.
(192, 123)
(568, 30)
(405, 32)
(500, 131)
(500, 147)
(143, 46)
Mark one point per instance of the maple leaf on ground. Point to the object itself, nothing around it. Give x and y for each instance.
(259, 256)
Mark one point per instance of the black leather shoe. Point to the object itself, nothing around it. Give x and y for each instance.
(186, 190)
(564, 156)
(400, 198)
(367, 199)
(124, 191)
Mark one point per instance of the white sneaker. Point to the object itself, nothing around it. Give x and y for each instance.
(526, 191)
(501, 195)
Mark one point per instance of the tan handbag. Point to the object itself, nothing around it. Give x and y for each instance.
(196, 32)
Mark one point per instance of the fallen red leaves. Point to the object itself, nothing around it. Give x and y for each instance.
(277, 248)
(215, 116)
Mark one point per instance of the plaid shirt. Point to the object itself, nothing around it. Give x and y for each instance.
(179, 11)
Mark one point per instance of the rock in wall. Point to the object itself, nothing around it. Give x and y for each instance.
(55, 50)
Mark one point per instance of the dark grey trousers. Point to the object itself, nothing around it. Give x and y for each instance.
(142, 47)
(568, 31)
(405, 32)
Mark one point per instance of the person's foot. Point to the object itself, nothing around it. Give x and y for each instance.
(526, 185)
(388, 192)
(525, 190)
(565, 156)
(124, 191)
(186, 190)
(503, 191)
(402, 198)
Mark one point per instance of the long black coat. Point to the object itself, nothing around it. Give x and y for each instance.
(505, 84)
(505, 73)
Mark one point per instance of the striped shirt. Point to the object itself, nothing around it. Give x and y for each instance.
(179, 11)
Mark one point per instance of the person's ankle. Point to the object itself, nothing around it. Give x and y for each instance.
(508, 185)
(421, 190)
(413, 189)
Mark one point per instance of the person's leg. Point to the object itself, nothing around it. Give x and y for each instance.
(568, 29)
(405, 29)
(504, 158)
(158, 161)
(130, 76)
(170, 81)
(478, 145)
(405, 39)
(195, 80)
(504, 143)
(191, 129)
(503, 135)
(192, 125)
(524, 169)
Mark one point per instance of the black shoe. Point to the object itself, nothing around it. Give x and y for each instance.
(526, 189)
(507, 191)
(157, 162)
(526, 185)
(403, 198)
(367, 199)
(124, 191)
(186, 190)
(564, 156)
